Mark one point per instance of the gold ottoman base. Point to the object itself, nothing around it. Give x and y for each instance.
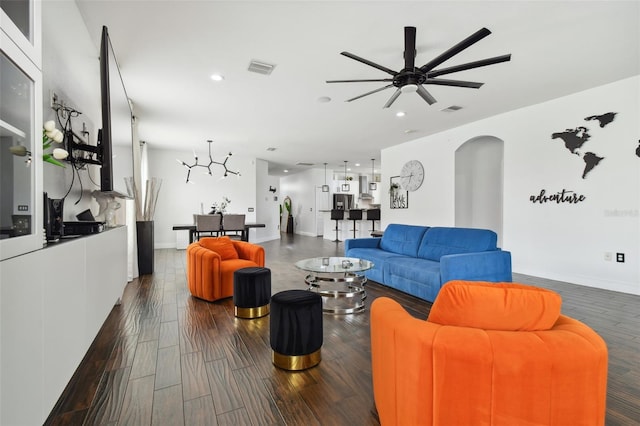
(250, 313)
(296, 362)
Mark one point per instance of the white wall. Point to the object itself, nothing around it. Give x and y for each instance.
(267, 202)
(178, 201)
(70, 68)
(559, 241)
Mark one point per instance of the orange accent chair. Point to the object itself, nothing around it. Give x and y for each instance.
(211, 262)
(488, 354)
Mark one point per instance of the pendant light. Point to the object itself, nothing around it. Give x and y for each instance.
(325, 187)
(372, 185)
(345, 186)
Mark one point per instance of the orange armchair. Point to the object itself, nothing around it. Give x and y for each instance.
(489, 354)
(211, 262)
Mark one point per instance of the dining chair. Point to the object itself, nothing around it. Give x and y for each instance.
(233, 225)
(208, 224)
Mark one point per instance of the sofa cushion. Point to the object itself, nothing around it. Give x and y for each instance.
(375, 255)
(221, 245)
(402, 239)
(496, 306)
(419, 277)
(438, 242)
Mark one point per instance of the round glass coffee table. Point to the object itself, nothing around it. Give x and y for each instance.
(339, 280)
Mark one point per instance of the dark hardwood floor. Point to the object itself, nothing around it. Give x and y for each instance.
(163, 357)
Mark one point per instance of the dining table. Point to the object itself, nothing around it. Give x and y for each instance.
(192, 230)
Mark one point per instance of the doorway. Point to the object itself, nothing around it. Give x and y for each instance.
(479, 184)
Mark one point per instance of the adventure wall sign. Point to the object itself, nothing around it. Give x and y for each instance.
(559, 197)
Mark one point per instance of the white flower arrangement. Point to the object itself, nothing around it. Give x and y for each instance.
(220, 207)
(51, 134)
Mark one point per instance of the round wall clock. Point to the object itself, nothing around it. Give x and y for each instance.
(412, 175)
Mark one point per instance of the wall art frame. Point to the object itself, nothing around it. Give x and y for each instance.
(398, 197)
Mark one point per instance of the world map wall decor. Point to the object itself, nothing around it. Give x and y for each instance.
(574, 139)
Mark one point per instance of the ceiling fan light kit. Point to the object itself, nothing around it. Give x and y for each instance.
(409, 88)
(413, 79)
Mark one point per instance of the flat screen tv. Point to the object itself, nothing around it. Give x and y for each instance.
(116, 133)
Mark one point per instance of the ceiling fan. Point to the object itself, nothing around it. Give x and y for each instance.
(413, 79)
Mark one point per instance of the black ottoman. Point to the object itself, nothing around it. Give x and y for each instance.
(251, 292)
(296, 329)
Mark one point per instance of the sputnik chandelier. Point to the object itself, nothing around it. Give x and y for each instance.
(208, 166)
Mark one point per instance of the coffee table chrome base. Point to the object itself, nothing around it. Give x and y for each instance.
(341, 295)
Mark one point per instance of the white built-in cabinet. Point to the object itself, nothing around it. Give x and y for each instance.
(53, 302)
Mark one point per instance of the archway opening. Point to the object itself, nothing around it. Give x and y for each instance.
(479, 183)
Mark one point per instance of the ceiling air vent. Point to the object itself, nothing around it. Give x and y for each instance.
(452, 108)
(304, 164)
(261, 67)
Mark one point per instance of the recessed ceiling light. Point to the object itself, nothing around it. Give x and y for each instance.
(410, 131)
(324, 99)
(400, 114)
(286, 171)
(357, 164)
(271, 149)
(217, 77)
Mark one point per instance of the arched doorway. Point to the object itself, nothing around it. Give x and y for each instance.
(479, 184)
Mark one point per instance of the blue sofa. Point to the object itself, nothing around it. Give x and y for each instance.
(419, 260)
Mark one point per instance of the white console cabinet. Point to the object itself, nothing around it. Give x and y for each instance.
(53, 302)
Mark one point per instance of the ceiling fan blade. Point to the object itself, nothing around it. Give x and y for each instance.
(457, 83)
(393, 98)
(470, 65)
(467, 42)
(367, 62)
(426, 95)
(359, 81)
(409, 47)
(369, 93)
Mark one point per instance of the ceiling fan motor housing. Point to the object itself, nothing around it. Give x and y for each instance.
(407, 76)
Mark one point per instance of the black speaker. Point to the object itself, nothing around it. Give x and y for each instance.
(53, 217)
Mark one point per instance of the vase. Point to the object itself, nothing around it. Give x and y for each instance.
(145, 246)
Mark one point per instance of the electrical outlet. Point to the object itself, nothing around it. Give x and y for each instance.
(620, 257)
(54, 98)
(23, 208)
(608, 256)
